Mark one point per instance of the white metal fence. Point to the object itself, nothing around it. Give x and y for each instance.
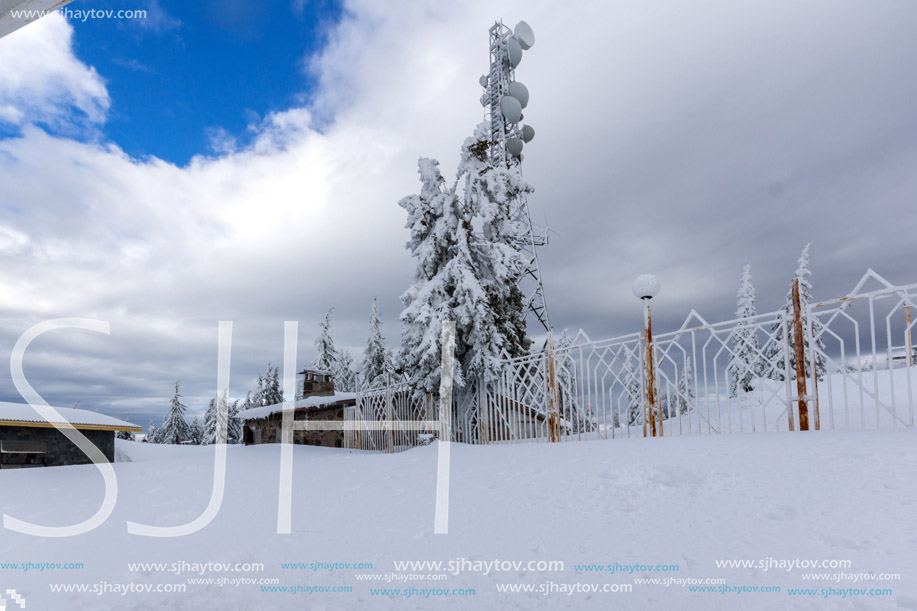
(389, 417)
(708, 378)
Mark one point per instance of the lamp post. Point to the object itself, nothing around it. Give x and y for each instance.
(646, 286)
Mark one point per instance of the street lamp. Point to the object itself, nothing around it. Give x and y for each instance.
(645, 287)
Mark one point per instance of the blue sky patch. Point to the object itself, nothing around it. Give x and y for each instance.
(190, 77)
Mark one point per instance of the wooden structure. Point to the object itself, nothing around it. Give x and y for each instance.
(28, 440)
(318, 403)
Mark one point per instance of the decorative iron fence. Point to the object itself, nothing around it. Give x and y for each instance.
(389, 417)
(865, 346)
(858, 369)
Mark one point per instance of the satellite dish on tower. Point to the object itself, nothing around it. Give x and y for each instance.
(514, 49)
(528, 132)
(514, 146)
(511, 108)
(520, 92)
(524, 34)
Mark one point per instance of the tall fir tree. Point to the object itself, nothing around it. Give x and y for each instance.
(152, 434)
(233, 423)
(776, 349)
(228, 416)
(377, 360)
(462, 273)
(577, 419)
(492, 194)
(345, 378)
(446, 287)
(339, 363)
(745, 361)
(268, 391)
(633, 390)
(174, 426)
(327, 353)
(195, 432)
(425, 302)
(686, 387)
(272, 391)
(210, 423)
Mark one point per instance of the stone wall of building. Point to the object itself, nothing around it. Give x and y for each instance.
(58, 449)
(268, 430)
(328, 439)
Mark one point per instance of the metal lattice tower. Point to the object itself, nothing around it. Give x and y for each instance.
(505, 54)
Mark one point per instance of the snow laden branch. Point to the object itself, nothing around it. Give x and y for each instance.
(466, 245)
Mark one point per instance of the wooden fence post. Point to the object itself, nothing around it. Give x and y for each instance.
(552, 391)
(650, 373)
(800, 352)
(910, 345)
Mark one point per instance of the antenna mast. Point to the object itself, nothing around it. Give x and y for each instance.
(504, 99)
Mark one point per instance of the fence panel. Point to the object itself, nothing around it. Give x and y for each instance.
(736, 376)
(389, 417)
(862, 346)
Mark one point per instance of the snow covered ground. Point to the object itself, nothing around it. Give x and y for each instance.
(841, 496)
(868, 399)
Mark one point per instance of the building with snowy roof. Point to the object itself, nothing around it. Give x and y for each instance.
(29, 440)
(319, 403)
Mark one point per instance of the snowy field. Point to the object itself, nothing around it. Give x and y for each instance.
(857, 400)
(845, 496)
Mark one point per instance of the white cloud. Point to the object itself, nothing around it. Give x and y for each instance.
(42, 81)
(157, 19)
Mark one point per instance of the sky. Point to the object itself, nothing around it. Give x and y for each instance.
(243, 161)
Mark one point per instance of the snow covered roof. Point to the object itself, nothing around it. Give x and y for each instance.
(307, 403)
(23, 414)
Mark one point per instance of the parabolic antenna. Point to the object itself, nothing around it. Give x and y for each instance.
(514, 146)
(515, 51)
(524, 35)
(520, 92)
(528, 132)
(484, 100)
(483, 80)
(511, 108)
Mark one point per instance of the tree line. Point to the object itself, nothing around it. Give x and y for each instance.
(175, 428)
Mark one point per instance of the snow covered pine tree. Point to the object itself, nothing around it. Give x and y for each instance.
(195, 432)
(776, 349)
(233, 424)
(462, 274)
(633, 390)
(745, 361)
(376, 359)
(269, 386)
(686, 387)
(152, 434)
(338, 363)
(210, 423)
(327, 354)
(230, 414)
(174, 427)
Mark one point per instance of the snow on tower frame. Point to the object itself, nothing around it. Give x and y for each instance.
(505, 96)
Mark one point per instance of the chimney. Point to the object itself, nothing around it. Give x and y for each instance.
(316, 383)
